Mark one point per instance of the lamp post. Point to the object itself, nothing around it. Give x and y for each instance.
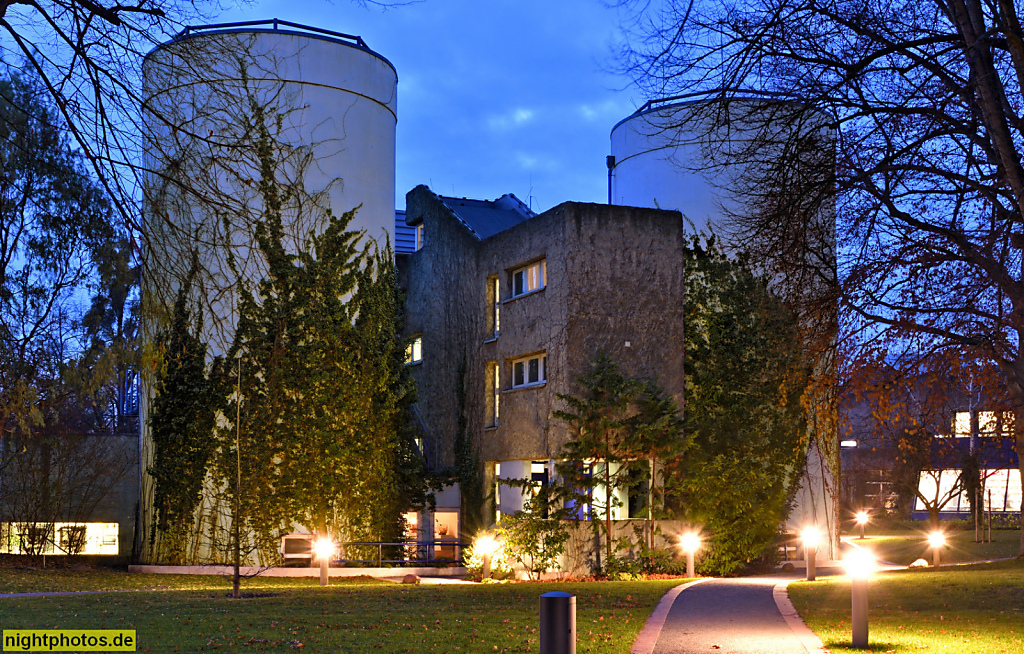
(862, 519)
(810, 537)
(936, 540)
(690, 543)
(860, 564)
(324, 549)
(486, 546)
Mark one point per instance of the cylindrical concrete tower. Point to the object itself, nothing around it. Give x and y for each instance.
(231, 111)
(327, 105)
(663, 157)
(703, 157)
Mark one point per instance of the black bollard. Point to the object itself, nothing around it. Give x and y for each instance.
(557, 623)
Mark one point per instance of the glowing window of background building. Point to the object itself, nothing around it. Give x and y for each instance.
(414, 351)
(962, 424)
(99, 538)
(992, 423)
(1013, 491)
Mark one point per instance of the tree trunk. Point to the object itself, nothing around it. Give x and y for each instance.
(608, 511)
(933, 517)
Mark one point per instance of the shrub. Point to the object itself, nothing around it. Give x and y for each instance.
(501, 563)
(532, 541)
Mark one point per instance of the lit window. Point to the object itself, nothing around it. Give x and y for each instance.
(496, 303)
(991, 423)
(962, 424)
(414, 351)
(494, 386)
(420, 233)
(848, 444)
(530, 278)
(529, 371)
(497, 393)
(497, 492)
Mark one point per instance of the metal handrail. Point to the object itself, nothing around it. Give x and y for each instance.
(710, 93)
(380, 560)
(358, 40)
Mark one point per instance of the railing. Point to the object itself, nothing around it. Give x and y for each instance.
(714, 94)
(426, 552)
(358, 40)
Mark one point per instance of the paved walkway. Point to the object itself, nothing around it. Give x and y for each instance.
(744, 616)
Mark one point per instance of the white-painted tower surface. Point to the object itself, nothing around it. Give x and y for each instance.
(328, 102)
(658, 161)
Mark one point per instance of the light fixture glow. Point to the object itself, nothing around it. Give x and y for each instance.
(323, 548)
(810, 537)
(936, 539)
(690, 542)
(862, 517)
(486, 545)
(860, 563)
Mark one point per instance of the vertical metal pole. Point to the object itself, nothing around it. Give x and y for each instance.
(859, 592)
(990, 516)
(810, 551)
(236, 582)
(557, 623)
(689, 565)
(324, 573)
(380, 555)
(977, 515)
(486, 573)
(935, 555)
(862, 531)
(610, 162)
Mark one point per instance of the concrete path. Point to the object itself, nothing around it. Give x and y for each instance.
(750, 615)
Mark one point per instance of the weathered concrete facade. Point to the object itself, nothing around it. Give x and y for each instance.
(614, 281)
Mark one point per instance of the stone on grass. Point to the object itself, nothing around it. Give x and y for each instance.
(410, 579)
(920, 563)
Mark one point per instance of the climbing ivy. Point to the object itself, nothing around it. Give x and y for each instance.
(181, 424)
(322, 434)
(745, 376)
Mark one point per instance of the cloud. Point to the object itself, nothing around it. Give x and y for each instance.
(536, 162)
(606, 111)
(510, 120)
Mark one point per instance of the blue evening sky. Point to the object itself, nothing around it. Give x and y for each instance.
(494, 96)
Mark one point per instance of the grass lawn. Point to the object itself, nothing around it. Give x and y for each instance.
(352, 616)
(28, 580)
(963, 609)
(960, 546)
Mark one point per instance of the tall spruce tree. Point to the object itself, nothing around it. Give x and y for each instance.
(321, 437)
(622, 429)
(744, 380)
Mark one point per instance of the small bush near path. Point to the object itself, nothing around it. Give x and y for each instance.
(975, 609)
(960, 546)
(352, 617)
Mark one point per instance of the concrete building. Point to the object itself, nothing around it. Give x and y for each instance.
(507, 309)
(952, 422)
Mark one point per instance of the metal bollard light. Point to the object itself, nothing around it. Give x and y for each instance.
(557, 623)
(811, 554)
(859, 615)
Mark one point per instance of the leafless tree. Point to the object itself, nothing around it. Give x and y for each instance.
(88, 55)
(923, 107)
